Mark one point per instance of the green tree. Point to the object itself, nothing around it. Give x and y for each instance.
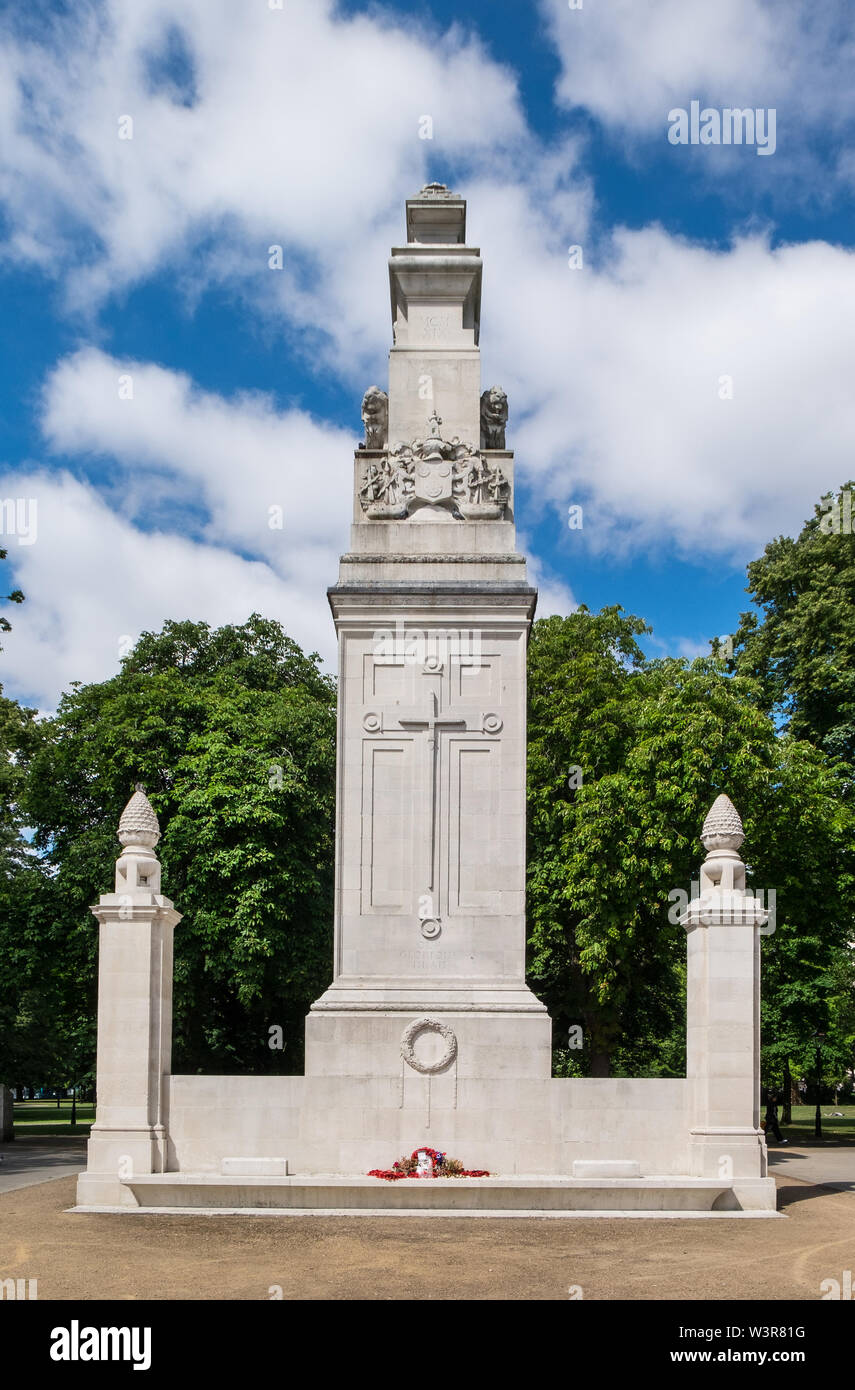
(841, 1009)
(15, 597)
(800, 647)
(26, 1014)
(232, 733)
(625, 759)
(17, 731)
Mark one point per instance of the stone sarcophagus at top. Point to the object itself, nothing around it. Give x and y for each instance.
(435, 285)
(434, 448)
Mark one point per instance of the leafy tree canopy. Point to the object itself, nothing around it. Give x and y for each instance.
(801, 646)
(625, 759)
(232, 734)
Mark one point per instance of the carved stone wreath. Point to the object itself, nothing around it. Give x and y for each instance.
(428, 1025)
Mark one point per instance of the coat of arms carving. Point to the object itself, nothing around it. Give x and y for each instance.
(433, 476)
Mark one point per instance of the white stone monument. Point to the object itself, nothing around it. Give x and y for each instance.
(428, 1036)
(432, 610)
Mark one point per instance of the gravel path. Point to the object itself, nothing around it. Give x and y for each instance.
(235, 1257)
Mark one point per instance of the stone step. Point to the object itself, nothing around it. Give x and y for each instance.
(525, 1195)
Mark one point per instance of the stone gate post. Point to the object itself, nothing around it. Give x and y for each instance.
(129, 1135)
(723, 926)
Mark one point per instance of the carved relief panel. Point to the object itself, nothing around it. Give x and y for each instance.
(430, 729)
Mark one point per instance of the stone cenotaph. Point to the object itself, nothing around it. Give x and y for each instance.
(428, 1036)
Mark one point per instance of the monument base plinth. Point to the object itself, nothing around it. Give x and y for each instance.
(448, 1034)
(493, 1196)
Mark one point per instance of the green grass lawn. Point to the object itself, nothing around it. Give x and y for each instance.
(42, 1117)
(834, 1131)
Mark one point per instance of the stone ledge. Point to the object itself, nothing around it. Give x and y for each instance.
(498, 587)
(429, 1213)
(521, 1195)
(345, 1009)
(367, 558)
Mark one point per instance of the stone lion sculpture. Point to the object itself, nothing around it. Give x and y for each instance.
(375, 417)
(494, 417)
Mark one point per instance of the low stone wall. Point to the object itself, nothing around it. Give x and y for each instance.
(624, 1117)
(347, 1126)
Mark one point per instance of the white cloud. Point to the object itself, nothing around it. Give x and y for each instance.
(304, 131)
(175, 520)
(616, 373)
(629, 63)
(235, 460)
(94, 582)
(301, 129)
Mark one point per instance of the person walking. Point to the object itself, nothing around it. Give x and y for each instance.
(772, 1118)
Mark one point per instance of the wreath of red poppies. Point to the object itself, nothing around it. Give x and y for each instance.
(443, 1167)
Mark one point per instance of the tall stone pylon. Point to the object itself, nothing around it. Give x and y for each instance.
(129, 1136)
(432, 611)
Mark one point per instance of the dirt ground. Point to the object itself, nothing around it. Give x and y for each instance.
(235, 1257)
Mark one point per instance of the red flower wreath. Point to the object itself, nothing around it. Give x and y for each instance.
(443, 1167)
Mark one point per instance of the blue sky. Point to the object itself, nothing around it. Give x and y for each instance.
(146, 259)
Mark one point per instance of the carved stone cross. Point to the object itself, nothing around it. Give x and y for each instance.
(432, 722)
